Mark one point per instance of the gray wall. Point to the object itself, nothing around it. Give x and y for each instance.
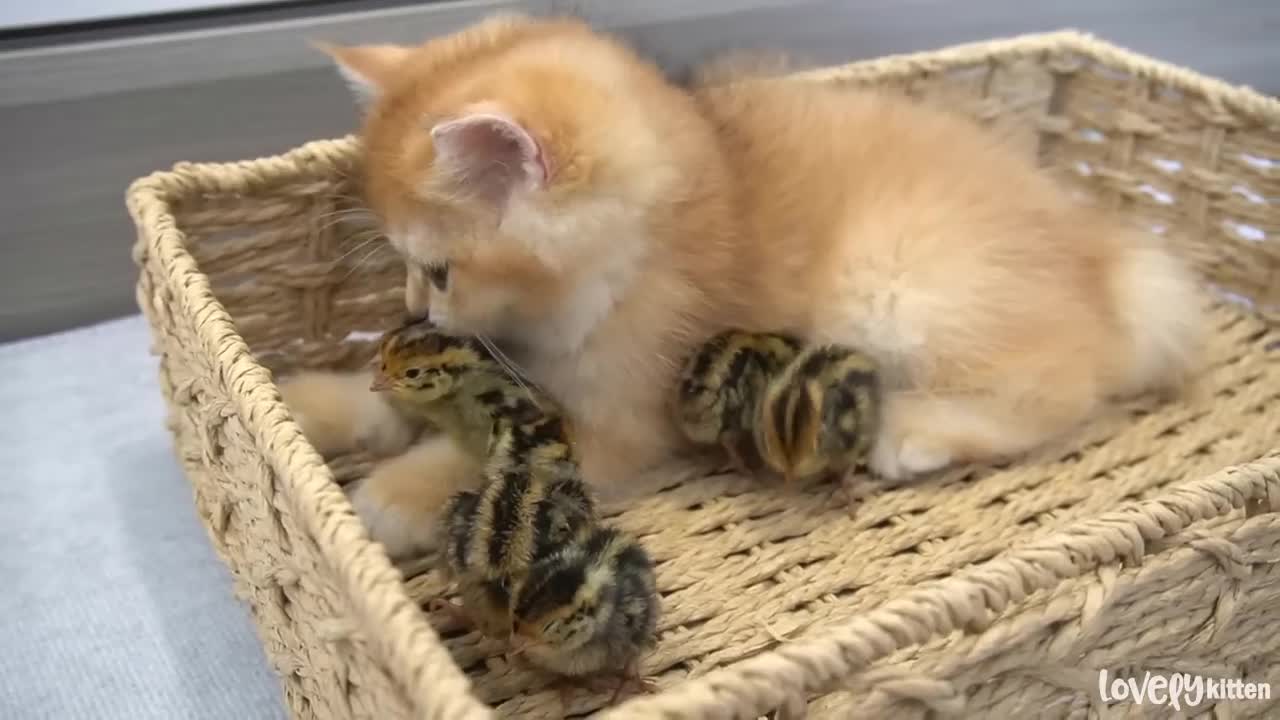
(83, 117)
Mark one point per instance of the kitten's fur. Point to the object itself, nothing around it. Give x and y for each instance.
(599, 222)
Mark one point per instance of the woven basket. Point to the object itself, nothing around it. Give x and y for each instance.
(1148, 543)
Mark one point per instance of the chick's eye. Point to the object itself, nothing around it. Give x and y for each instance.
(412, 373)
(439, 275)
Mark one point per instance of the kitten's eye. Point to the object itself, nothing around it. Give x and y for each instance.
(439, 275)
(412, 373)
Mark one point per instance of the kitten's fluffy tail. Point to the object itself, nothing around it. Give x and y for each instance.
(1162, 308)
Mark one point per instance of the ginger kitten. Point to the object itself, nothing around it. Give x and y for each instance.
(552, 191)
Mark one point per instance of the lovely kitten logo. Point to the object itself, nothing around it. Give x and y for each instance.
(1177, 690)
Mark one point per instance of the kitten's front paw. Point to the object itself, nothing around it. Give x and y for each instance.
(401, 531)
(902, 459)
(401, 500)
(383, 432)
(338, 413)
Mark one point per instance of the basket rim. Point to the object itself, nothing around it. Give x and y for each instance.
(419, 661)
(335, 153)
(315, 158)
(1238, 97)
(796, 668)
(373, 588)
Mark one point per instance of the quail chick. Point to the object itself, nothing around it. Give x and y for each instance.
(721, 386)
(456, 384)
(589, 611)
(532, 500)
(820, 414)
(492, 536)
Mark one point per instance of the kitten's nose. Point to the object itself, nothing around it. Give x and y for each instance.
(416, 294)
(438, 318)
(412, 318)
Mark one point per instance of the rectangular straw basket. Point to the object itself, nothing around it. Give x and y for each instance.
(1149, 543)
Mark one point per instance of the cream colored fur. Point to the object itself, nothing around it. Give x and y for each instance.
(1003, 313)
(339, 414)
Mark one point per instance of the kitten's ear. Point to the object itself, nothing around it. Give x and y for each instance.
(368, 69)
(489, 155)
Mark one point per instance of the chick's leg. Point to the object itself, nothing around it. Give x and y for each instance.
(457, 615)
(613, 684)
(852, 489)
(733, 449)
(631, 677)
(400, 501)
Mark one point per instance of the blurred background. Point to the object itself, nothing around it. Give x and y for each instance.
(94, 93)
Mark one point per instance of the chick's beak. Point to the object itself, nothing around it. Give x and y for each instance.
(380, 383)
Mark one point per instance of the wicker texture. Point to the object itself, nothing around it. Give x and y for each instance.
(1148, 542)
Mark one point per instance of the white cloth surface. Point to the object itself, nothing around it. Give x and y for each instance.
(113, 602)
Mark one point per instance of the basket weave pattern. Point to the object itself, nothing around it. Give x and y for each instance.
(1148, 542)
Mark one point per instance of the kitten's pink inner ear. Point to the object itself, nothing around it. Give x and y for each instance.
(491, 155)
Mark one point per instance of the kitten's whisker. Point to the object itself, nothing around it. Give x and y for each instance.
(341, 212)
(361, 262)
(362, 244)
(366, 234)
(500, 357)
(371, 227)
(344, 196)
(506, 359)
(339, 195)
(509, 367)
(329, 220)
